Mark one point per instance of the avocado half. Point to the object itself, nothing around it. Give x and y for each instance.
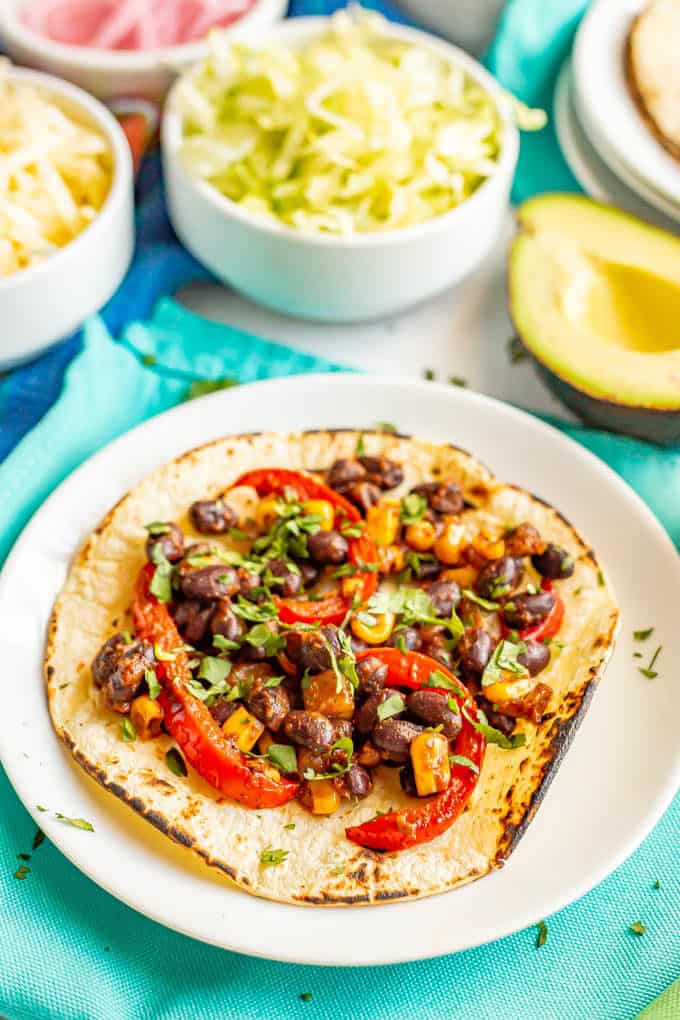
(595, 298)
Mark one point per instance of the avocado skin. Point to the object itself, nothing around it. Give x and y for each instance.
(656, 426)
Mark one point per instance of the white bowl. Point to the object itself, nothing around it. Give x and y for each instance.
(48, 300)
(110, 74)
(326, 277)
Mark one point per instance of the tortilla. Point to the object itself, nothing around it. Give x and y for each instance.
(322, 866)
(653, 70)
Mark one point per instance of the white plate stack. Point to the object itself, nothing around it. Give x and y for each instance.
(604, 137)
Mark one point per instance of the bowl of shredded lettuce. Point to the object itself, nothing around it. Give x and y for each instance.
(343, 169)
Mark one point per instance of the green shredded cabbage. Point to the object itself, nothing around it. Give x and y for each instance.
(355, 132)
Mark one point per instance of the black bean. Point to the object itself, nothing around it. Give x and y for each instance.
(499, 577)
(405, 638)
(439, 653)
(433, 709)
(288, 580)
(192, 619)
(524, 540)
(342, 728)
(443, 497)
(126, 679)
(170, 545)
(212, 582)
(328, 547)
(474, 649)
(224, 621)
(383, 472)
(248, 581)
(366, 717)
(309, 649)
(270, 705)
(535, 658)
(393, 738)
(362, 494)
(106, 659)
(358, 782)
(505, 723)
(309, 729)
(372, 675)
(211, 516)
(555, 563)
(408, 780)
(528, 610)
(445, 596)
(309, 574)
(345, 472)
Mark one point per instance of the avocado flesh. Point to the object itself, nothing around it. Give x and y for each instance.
(595, 297)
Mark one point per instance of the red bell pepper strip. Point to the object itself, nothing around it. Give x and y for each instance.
(549, 627)
(333, 608)
(398, 830)
(214, 756)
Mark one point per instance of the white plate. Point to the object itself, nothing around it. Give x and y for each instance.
(594, 176)
(604, 103)
(616, 781)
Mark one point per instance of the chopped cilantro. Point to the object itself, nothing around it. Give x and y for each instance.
(461, 759)
(157, 528)
(657, 884)
(283, 756)
(638, 928)
(642, 635)
(224, 644)
(290, 826)
(127, 730)
(270, 858)
(600, 578)
(542, 936)
(494, 736)
(200, 387)
(152, 683)
(413, 507)
(305, 996)
(429, 374)
(254, 612)
(457, 380)
(516, 350)
(38, 839)
(360, 450)
(504, 659)
(386, 426)
(484, 603)
(77, 823)
(649, 671)
(260, 636)
(391, 706)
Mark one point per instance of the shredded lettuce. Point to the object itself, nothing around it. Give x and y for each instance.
(54, 175)
(356, 132)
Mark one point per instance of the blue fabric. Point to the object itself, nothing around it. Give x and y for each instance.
(67, 949)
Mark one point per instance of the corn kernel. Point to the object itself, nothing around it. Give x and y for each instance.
(430, 760)
(489, 548)
(244, 728)
(508, 689)
(449, 545)
(321, 508)
(324, 797)
(267, 513)
(421, 536)
(376, 633)
(382, 522)
(464, 577)
(146, 716)
(321, 694)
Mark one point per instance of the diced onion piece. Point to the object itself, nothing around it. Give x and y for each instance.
(55, 175)
(355, 132)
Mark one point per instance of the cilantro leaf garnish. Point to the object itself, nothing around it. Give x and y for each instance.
(504, 658)
(638, 928)
(542, 936)
(152, 683)
(642, 635)
(360, 449)
(649, 670)
(269, 857)
(391, 706)
(253, 611)
(283, 756)
(487, 604)
(161, 582)
(413, 606)
(157, 528)
(461, 759)
(494, 736)
(260, 636)
(224, 644)
(175, 762)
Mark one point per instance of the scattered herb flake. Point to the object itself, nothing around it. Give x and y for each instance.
(127, 730)
(290, 826)
(269, 857)
(391, 706)
(158, 528)
(457, 380)
(461, 759)
(429, 374)
(657, 884)
(638, 928)
(542, 936)
(649, 670)
(360, 450)
(386, 426)
(600, 578)
(39, 807)
(21, 872)
(38, 839)
(413, 507)
(148, 359)
(516, 350)
(642, 635)
(24, 857)
(175, 762)
(283, 756)
(152, 683)
(77, 823)
(305, 996)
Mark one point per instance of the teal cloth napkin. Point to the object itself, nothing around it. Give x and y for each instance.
(67, 949)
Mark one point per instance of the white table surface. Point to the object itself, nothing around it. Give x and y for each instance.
(463, 332)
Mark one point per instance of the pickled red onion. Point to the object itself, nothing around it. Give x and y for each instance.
(131, 24)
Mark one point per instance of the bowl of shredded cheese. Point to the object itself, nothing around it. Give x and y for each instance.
(343, 169)
(66, 209)
(122, 48)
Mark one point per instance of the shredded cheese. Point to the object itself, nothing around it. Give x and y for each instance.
(55, 174)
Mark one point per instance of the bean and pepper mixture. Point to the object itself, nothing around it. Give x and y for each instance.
(265, 647)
